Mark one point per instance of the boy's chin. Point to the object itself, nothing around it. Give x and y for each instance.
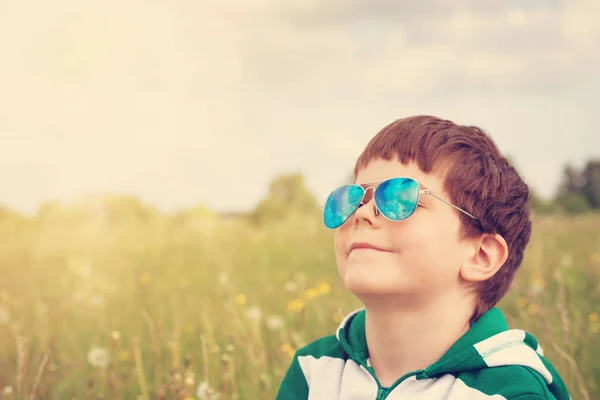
(371, 285)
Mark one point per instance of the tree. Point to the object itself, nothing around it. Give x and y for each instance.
(591, 184)
(287, 195)
(579, 191)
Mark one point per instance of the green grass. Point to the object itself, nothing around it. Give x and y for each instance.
(174, 302)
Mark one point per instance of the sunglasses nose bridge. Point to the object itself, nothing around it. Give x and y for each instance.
(365, 192)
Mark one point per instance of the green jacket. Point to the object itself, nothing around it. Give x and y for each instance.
(488, 362)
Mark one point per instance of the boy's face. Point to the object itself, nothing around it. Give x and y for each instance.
(420, 257)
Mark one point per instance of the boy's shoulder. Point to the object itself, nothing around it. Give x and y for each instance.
(509, 381)
(325, 346)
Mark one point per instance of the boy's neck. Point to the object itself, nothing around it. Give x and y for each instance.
(402, 341)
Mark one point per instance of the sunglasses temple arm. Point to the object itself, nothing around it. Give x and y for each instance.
(450, 204)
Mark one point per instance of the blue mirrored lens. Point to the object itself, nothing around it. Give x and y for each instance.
(340, 204)
(397, 198)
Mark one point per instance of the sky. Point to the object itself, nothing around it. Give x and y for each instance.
(186, 103)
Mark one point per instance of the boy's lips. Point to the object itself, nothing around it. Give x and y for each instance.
(365, 245)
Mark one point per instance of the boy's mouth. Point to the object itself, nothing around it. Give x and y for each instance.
(365, 246)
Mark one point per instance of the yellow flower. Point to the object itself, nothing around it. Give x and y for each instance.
(296, 305)
(324, 288)
(521, 302)
(337, 318)
(144, 279)
(532, 309)
(593, 317)
(240, 298)
(311, 294)
(124, 355)
(288, 350)
(189, 327)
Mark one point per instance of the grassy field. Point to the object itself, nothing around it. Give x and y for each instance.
(117, 301)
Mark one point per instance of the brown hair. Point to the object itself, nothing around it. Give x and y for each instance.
(476, 176)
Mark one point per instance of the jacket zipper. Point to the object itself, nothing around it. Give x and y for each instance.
(383, 392)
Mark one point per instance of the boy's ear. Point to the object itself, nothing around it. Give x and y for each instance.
(489, 255)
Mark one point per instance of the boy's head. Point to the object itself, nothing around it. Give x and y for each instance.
(438, 252)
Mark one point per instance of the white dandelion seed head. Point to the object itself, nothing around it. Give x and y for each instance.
(96, 301)
(7, 391)
(223, 278)
(205, 392)
(291, 286)
(566, 260)
(254, 313)
(274, 322)
(4, 316)
(98, 357)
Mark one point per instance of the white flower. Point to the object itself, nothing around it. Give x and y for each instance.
(7, 391)
(223, 278)
(98, 357)
(189, 380)
(96, 301)
(4, 316)
(291, 286)
(85, 271)
(116, 335)
(254, 313)
(566, 260)
(204, 392)
(274, 322)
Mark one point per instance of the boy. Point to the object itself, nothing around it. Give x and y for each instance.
(429, 239)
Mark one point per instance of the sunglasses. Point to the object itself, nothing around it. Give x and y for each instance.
(396, 199)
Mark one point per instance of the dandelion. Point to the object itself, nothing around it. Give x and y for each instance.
(96, 301)
(253, 313)
(124, 356)
(324, 288)
(7, 391)
(337, 318)
(205, 392)
(85, 271)
(521, 302)
(189, 327)
(537, 286)
(189, 380)
(532, 309)
(288, 350)
(98, 357)
(145, 279)
(115, 335)
(566, 260)
(223, 278)
(593, 317)
(229, 348)
(300, 277)
(296, 305)
(77, 296)
(240, 299)
(311, 294)
(291, 286)
(274, 322)
(4, 316)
